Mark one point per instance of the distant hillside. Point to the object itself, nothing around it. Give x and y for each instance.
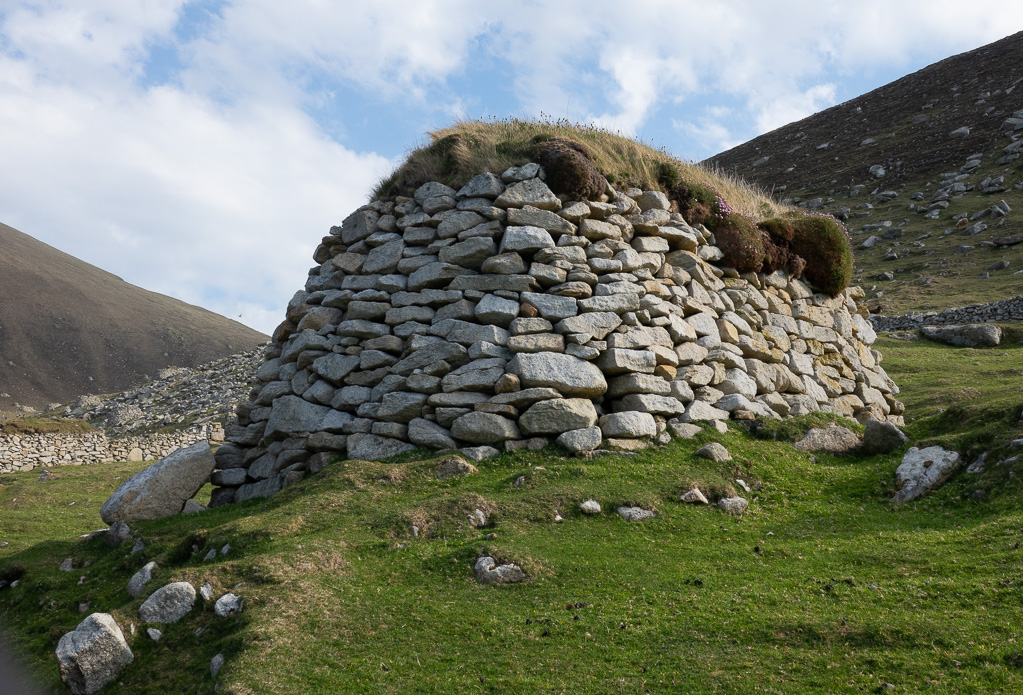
(68, 328)
(909, 160)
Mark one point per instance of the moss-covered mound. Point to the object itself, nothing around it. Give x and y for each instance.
(754, 233)
(822, 243)
(456, 154)
(570, 169)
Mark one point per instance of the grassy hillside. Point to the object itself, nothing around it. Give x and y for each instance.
(823, 586)
(929, 274)
(911, 129)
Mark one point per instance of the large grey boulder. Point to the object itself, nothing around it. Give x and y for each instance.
(571, 376)
(558, 415)
(833, 439)
(489, 572)
(93, 654)
(585, 439)
(969, 335)
(629, 424)
(430, 434)
(162, 489)
(371, 447)
(168, 604)
(923, 470)
(882, 437)
(291, 414)
(485, 428)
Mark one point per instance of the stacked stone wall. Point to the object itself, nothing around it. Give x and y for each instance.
(23, 452)
(501, 316)
(1010, 309)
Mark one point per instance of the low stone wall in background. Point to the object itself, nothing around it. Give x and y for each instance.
(1003, 310)
(23, 452)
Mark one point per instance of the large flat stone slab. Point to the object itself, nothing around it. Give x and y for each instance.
(162, 489)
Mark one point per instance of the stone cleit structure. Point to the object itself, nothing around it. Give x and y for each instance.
(499, 315)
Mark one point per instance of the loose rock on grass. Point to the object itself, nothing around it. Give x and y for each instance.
(139, 580)
(715, 452)
(93, 654)
(228, 604)
(882, 437)
(923, 470)
(693, 496)
(733, 505)
(168, 604)
(489, 572)
(454, 467)
(635, 513)
(833, 439)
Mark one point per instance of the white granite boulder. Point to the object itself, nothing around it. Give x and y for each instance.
(923, 470)
(162, 489)
(168, 604)
(93, 654)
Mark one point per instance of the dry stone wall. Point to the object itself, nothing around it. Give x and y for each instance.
(23, 452)
(499, 315)
(1010, 309)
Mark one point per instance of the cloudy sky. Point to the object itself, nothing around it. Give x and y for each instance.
(202, 148)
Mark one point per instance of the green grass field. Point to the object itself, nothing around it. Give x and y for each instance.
(823, 586)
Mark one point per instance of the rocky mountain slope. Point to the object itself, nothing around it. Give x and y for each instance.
(908, 163)
(68, 328)
(175, 398)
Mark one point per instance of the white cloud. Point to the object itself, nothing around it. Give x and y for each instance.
(781, 109)
(216, 205)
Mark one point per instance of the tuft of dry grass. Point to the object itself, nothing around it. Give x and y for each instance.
(459, 152)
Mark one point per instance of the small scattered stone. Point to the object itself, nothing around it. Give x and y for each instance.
(715, 452)
(454, 467)
(590, 507)
(489, 572)
(118, 533)
(206, 591)
(733, 505)
(228, 604)
(154, 634)
(139, 580)
(216, 663)
(635, 513)
(480, 453)
(694, 496)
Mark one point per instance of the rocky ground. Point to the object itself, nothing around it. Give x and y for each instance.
(178, 397)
